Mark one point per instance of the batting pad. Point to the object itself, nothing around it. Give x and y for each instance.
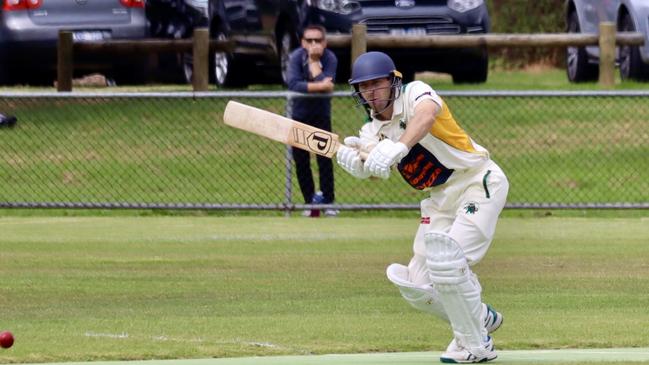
(423, 298)
(455, 285)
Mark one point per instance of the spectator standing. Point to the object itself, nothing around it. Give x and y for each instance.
(312, 70)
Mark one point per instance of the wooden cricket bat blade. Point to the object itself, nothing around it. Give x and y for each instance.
(280, 129)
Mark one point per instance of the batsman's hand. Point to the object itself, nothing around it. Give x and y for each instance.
(383, 156)
(349, 158)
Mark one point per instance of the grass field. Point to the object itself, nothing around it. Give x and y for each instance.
(135, 285)
(109, 288)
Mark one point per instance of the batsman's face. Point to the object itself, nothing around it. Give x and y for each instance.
(376, 93)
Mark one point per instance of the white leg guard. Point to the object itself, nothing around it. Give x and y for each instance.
(456, 286)
(420, 297)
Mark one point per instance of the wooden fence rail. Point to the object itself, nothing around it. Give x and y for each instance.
(492, 40)
(200, 45)
(359, 41)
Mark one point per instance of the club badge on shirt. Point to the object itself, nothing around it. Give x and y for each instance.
(471, 207)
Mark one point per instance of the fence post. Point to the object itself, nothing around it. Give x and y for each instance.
(359, 41)
(64, 57)
(288, 164)
(606, 55)
(201, 50)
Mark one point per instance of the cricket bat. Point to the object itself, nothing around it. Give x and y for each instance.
(282, 129)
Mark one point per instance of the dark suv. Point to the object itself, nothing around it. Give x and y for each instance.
(271, 28)
(411, 17)
(176, 19)
(266, 29)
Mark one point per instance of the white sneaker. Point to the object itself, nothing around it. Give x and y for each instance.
(493, 319)
(331, 212)
(457, 354)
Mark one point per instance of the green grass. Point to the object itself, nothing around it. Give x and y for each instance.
(90, 288)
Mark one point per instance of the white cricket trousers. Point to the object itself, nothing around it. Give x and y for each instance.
(466, 208)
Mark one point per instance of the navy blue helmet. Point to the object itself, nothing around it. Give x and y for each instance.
(372, 66)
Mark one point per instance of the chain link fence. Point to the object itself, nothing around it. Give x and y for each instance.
(172, 151)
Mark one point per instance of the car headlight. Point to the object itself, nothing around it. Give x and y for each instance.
(464, 5)
(336, 6)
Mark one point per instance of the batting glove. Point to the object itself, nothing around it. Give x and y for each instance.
(350, 160)
(361, 144)
(383, 156)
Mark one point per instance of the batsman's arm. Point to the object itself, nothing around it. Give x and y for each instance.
(421, 123)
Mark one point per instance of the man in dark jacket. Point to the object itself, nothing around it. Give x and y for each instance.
(312, 69)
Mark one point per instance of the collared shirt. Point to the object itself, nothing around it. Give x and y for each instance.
(447, 147)
(306, 109)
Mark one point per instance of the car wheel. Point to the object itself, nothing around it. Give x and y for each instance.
(631, 65)
(287, 43)
(577, 66)
(473, 71)
(225, 72)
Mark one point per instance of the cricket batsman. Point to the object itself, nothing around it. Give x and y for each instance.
(412, 128)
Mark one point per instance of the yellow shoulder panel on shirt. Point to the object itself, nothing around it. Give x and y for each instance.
(446, 129)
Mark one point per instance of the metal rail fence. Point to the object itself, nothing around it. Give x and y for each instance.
(172, 151)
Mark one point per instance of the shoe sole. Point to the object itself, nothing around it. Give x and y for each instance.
(491, 356)
(447, 360)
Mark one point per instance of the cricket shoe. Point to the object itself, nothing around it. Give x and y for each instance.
(331, 212)
(493, 319)
(457, 354)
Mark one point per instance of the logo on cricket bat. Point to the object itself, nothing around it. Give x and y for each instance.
(318, 142)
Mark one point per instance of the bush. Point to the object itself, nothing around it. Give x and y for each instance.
(541, 16)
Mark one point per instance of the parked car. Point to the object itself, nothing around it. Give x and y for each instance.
(273, 28)
(269, 28)
(410, 17)
(29, 33)
(176, 19)
(584, 16)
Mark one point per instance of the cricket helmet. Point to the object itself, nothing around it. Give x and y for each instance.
(373, 65)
